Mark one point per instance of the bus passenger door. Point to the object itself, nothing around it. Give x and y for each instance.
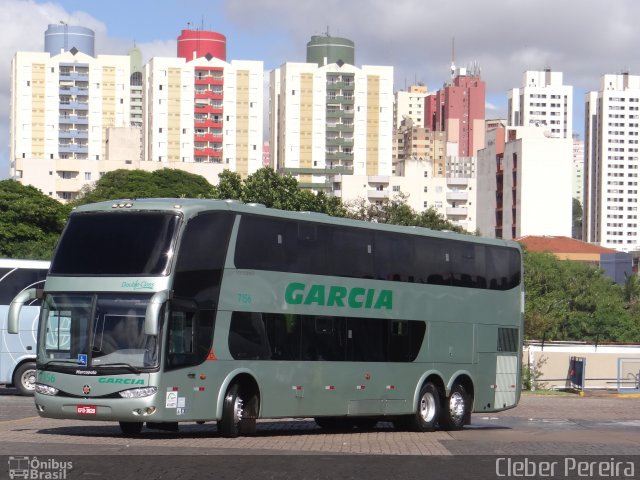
(188, 345)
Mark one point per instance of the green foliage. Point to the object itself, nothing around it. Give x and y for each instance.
(275, 191)
(567, 300)
(30, 222)
(397, 211)
(165, 183)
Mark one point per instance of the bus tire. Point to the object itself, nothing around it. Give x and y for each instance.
(232, 411)
(131, 428)
(455, 409)
(24, 378)
(428, 410)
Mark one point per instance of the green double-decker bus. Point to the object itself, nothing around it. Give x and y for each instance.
(161, 311)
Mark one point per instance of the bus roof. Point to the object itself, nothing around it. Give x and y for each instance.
(192, 206)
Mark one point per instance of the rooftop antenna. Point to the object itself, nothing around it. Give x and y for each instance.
(453, 57)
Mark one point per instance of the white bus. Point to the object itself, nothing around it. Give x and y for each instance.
(18, 352)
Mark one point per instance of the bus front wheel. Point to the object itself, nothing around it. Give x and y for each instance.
(455, 409)
(24, 378)
(229, 424)
(426, 415)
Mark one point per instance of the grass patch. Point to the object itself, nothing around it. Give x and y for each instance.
(557, 393)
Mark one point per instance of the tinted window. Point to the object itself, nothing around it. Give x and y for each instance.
(271, 336)
(14, 280)
(115, 243)
(394, 257)
(190, 335)
(304, 247)
(201, 257)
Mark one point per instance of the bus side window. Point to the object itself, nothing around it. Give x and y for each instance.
(248, 337)
(190, 337)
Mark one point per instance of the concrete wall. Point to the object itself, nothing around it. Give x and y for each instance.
(551, 363)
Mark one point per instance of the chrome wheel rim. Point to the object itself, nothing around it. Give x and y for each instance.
(237, 410)
(28, 380)
(456, 406)
(427, 407)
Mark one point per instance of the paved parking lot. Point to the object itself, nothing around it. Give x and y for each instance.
(561, 425)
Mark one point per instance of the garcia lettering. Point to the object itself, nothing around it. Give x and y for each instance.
(338, 296)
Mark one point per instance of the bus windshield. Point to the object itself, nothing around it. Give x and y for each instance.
(129, 243)
(96, 331)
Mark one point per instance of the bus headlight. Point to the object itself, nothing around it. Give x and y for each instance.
(46, 389)
(138, 392)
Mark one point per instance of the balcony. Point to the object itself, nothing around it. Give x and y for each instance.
(461, 196)
(71, 133)
(377, 194)
(74, 76)
(73, 148)
(456, 211)
(458, 181)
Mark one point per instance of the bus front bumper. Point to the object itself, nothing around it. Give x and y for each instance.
(145, 409)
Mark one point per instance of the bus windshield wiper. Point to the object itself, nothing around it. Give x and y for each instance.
(126, 365)
(57, 361)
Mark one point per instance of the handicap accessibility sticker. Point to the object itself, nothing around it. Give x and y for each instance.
(82, 359)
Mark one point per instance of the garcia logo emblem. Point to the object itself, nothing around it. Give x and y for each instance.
(86, 389)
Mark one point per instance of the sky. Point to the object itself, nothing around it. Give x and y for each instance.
(584, 39)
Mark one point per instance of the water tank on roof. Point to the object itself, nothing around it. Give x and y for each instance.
(323, 50)
(66, 38)
(194, 44)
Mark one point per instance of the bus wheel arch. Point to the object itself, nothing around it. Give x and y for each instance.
(24, 378)
(240, 407)
(457, 406)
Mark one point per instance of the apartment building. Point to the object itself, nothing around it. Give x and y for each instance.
(524, 183)
(75, 116)
(64, 104)
(612, 135)
(327, 117)
(458, 109)
(206, 112)
(410, 105)
(542, 100)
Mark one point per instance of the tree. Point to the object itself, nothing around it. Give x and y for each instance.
(398, 212)
(567, 300)
(268, 188)
(30, 221)
(576, 218)
(168, 183)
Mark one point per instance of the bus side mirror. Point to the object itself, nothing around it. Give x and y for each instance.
(16, 306)
(153, 311)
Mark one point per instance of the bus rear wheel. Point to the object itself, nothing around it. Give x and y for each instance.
(131, 428)
(426, 415)
(24, 378)
(455, 409)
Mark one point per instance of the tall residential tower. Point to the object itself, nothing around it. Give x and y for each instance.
(612, 137)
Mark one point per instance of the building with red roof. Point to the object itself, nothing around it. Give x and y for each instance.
(616, 265)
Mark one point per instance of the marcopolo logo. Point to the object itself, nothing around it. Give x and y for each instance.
(338, 296)
(121, 381)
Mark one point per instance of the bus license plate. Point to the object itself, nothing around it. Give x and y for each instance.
(86, 409)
